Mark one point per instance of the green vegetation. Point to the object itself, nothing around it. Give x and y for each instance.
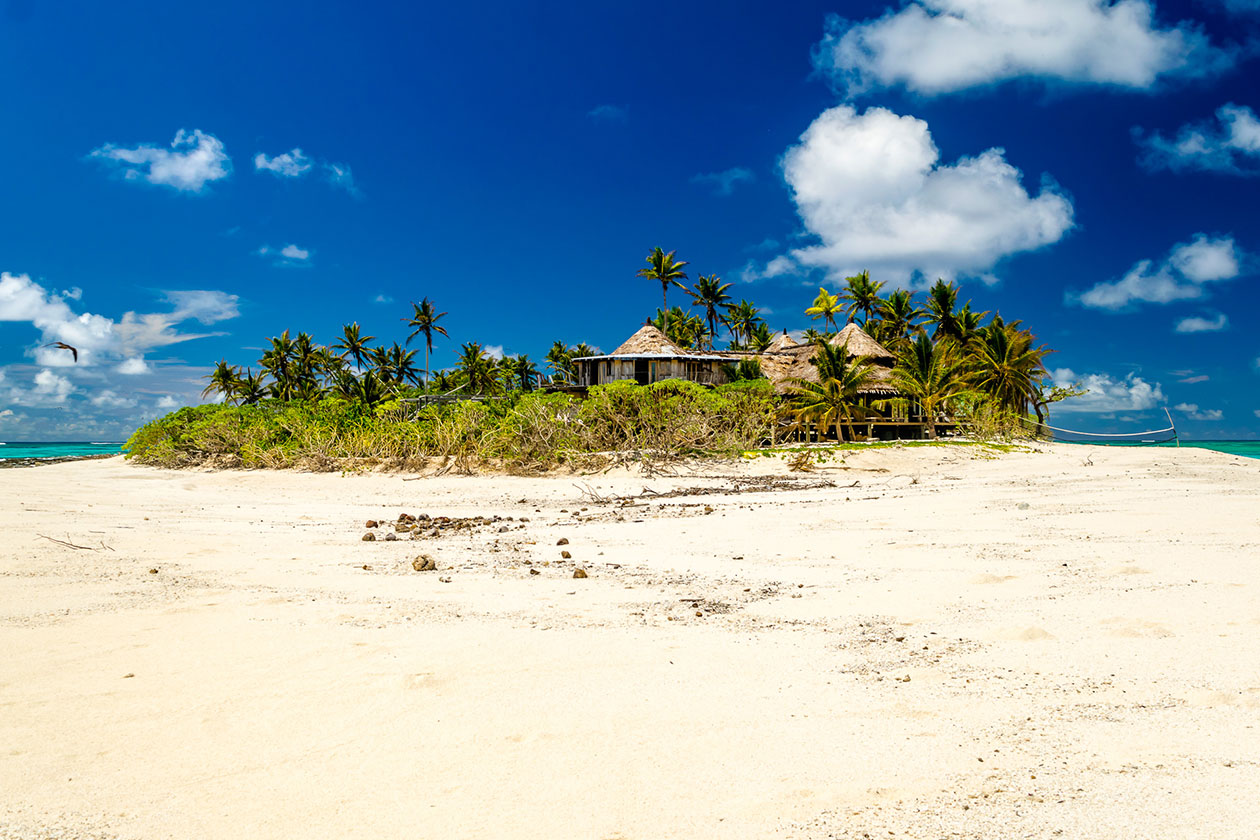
(527, 431)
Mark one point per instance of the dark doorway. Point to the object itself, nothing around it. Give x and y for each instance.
(641, 371)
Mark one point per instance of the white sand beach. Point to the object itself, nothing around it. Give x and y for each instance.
(920, 642)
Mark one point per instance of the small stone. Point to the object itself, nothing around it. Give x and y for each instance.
(402, 527)
(153, 571)
(699, 614)
(1023, 505)
(369, 537)
(391, 536)
(424, 563)
(503, 530)
(566, 555)
(579, 573)
(422, 517)
(366, 567)
(128, 676)
(372, 523)
(534, 571)
(406, 517)
(562, 541)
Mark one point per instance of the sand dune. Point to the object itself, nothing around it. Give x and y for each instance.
(937, 643)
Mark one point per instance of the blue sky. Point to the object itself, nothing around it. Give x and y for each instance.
(1085, 165)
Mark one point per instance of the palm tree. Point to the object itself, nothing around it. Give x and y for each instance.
(665, 269)
(932, 374)
(826, 306)
(941, 303)
(741, 318)
(1006, 367)
(710, 295)
(898, 319)
(225, 380)
(833, 399)
(353, 344)
(862, 295)
(277, 361)
(760, 338)
(682, 328)
(477, 369)
(526, 372)
(424, 321)
(813, 336)
(251, 388)
(560, 360)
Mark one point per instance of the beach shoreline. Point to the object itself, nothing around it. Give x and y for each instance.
(919, 641)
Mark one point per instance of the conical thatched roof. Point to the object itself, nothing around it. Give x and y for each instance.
(861, 344)
(648, 341)
(781, 342)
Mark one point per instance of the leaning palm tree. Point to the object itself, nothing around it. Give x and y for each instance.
(710, 295)
(933, 374)
(225, 379)
(668, 271)
(424, 321)
(826, 306)
(353, 344)
(862, 295)
(834, 398)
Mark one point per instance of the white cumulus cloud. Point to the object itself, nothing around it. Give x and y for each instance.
(938, 46)
(134, 366)
(167, 402)
(193, 160)
(872, 188)
(339, 175)
(1231, 144)
(288, 255)
(1197, 324)
(1195, 413)
(110, 399)
(291, 164)
(1105, 393)
(1182, 275)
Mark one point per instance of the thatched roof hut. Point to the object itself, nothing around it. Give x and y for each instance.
(648, 341)
(781, 342)
(792, 362)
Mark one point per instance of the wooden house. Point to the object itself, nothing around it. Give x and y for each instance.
(650, 356)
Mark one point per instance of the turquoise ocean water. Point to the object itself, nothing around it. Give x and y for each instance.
(57, 450)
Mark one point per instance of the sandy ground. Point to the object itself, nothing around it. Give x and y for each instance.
(932, 643)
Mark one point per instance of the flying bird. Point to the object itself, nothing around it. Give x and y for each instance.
(61, 344)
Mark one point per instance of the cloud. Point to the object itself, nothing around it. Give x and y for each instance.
(1194, 413)
(339, 175)
(1256, 412)
(609, 113)
(382, 298)
(932, 47)
(724, 182)
(109, 399)
(100, 339)
(871, 186)
(1230, 145)
(292, 164)
(494, 351)
(45, 389)
(1194, 380)
(1242, 7)
(132, 367)
(1196, 324)
(1104, 393)
(288, 255)
(1182, 275)
(166, 402)
(193, 160)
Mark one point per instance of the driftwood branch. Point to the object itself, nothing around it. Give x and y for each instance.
(73, 545)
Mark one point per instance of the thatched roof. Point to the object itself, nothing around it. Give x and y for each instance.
(648, 341)
(861, 344)
(789, 363)
(781, 342)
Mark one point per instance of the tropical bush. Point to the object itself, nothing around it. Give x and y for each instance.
(617, 423)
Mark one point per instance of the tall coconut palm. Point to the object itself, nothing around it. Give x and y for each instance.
(224, 379)
(760, 338)
(834, 399)
(813, 336)
(933, 374)
(826, 306)
(710, 295)
(526, 372)
(277, 362)
(682, 328)
(354, 344)
(424, 321)
(251, 388)
(668, 271)
(862, 295)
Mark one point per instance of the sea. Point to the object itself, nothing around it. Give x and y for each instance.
(32, 452)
